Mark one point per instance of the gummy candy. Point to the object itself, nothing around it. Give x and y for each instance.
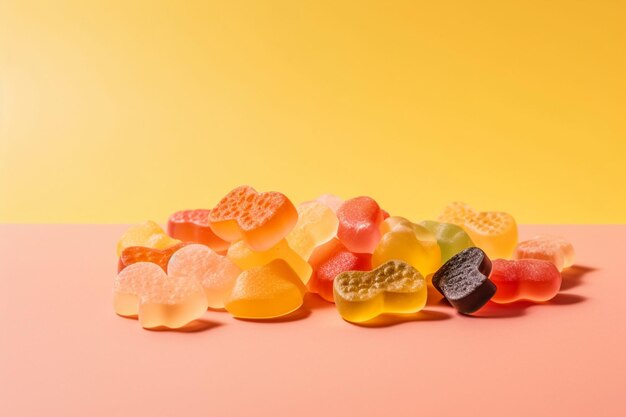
(393, 287)
(317, 224)
(260, 219)
(359, 221)
(134, 254)
(148, 234)
(464, 282)
(246, 258)
(216, 273)
(193, 226)
(528, 279)
(451, 238)
(494, 232)
(143, 289)
(266, 291)
(331, 259)
(408, 242)
(550, 248)
(331, 201)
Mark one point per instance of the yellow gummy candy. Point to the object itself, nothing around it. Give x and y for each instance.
(493, 232)
(394, 287)
(148, 234)
(316, 225)
(408, 242)
(245, 258)
(266, 291)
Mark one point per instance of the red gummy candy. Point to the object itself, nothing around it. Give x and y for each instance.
(524, 279)
(134, 254)
(193, 226)
(359, 222)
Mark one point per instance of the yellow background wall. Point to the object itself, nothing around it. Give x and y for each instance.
(116, 112)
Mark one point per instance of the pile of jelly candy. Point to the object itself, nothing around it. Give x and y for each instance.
(256, 255)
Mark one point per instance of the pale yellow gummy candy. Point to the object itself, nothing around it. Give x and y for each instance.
(148, 234)
(245, 258)
(316, 225)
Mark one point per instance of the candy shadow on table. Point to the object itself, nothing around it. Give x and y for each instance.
(573, 276)
(198, 325)
(388, 320)
(493, 310)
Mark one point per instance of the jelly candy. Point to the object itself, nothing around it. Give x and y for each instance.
(359, 221)
(407, 242)
(494, 232)
(549, 248)
(266, 291)
(216, 273)
(331, 201)
(451, 238)
(464, 281)
(260, 219)
(246, 258)
(148, 234)
(331, 259)
(528, 279)
(143, 289)
(134, 254)
(193, 226)
(393, 287)
(316, 224)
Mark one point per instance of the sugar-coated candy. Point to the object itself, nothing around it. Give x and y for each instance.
(393, 287)
(464, 282)
(245, 258)
(317, 224)
(331, 201)
(359, 222)
(158, 299)
(493, 232)
(266, 291)
(148, 234)
(451, 238)
(408, 242)
(134, 254)
(549, 248)
(216, 273)
(193, 226)
(331, 259)
(524, 279)
(260, 219)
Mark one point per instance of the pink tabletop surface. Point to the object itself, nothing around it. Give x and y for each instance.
(63, 352)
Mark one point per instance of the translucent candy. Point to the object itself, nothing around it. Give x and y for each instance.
(193, 226)
(266, 291)
(148, 234)
(144, 290)
(317, 224)
(216, 273)
(331, 201)
(524, 279)
(331, 259)
(134, 254)
(549, 248)
(246, 258)
(407, 242)
(394, 287)
(260, 219)
(493, 232)
(451, 238)
(359, 222)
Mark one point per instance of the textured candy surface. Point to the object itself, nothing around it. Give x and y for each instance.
(464, 281)
(148, 234)
(394, 287)
(408, 242)
(493, 232)
(549, 248)
(451, 238)
(193, 226)
(359, 222)
(260, 219)
(317, 224)
(524, 279)
(216, 273)
(158, 299)
(267, 291)
(246, 258)
(134, 254)
(331, 259)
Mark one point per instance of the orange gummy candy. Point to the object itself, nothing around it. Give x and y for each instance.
(193, 226)
(134, 254)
